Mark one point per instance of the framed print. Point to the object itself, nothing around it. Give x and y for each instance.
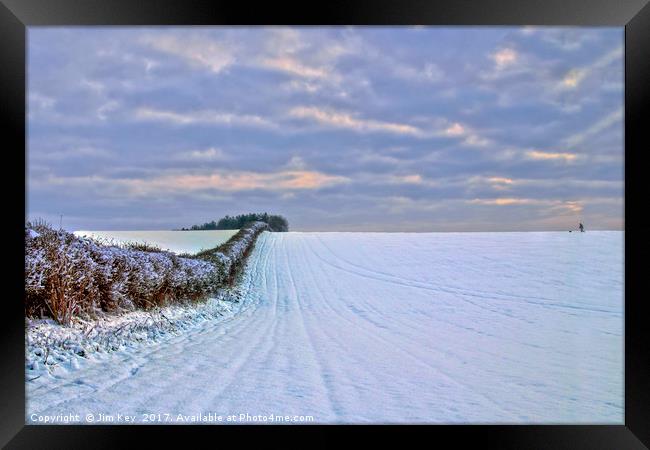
(379, 214)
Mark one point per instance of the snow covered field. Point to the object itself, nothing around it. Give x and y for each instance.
(382, 327)
(174, 241)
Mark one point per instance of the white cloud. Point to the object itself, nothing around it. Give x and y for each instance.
(241, 181)
(470, 137)
(504, 57)
(430, 72)
(427, 127)
(475, 140)
(72, 153)
(95, 86)
(500, 180)
(203, 116)
(529, 30)
(107, 107)
(564, 206)
(39, 105)
(228, 181)
(504, 201)
(303, 86)
(455, 129)
(347, 121)
(296, 163)
(294, 67)
(208, 154)
(40, 100)
(400, 204)
(414, 178)
(284, 40)
(410, 179)
(567, 157)
(576, 76)
(613, 118)
(200, 52)
(563, 38)
(496, 183)
(615, 55)
(310, 59)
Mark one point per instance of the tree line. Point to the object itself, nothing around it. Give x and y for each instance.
(275, 222)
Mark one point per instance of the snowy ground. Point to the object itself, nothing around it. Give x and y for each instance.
(382, 327)
(52, 349)
(174, 241)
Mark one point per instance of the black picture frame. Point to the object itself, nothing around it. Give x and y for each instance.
(634, 15)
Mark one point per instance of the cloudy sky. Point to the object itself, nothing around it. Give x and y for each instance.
(362, 128)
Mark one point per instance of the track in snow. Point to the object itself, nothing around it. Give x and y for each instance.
(389, 327)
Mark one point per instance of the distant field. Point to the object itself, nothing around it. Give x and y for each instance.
(175, 241)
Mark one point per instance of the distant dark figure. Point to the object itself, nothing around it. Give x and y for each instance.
(582, 228)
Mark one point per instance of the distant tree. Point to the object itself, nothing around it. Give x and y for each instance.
(206, 226)
(276, 222)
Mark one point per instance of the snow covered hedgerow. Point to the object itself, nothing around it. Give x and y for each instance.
(68, 276)
(230, 256)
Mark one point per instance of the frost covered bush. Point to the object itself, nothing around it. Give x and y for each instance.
(111, 277)
(229, 256)
(67, 276)
(59, 275)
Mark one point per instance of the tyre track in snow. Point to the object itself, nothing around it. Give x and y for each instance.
(425, 288)
(376, 333)
(373, 275)
(328, 386)
(276, 357)
(358, 271)
(498, 296)
(391, 350)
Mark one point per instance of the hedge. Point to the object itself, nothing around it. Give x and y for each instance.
(68, 276)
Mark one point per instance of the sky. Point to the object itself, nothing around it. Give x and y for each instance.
(336, 128)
